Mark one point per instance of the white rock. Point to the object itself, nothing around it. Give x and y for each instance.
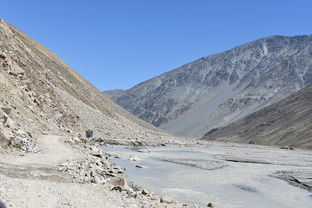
(98, 180)
(76, 140)
(135, 158)
(93, 148)
(71, 141)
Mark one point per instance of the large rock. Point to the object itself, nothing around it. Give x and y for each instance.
(96, 152)
(210, 205)
(98, 179)
(145, 192)
(75, 140)
(16, 70)
(8, 122)
(141, 166)
(7, 110)
(135, 158)
(167, 200)
(4, 141)
(119, 183)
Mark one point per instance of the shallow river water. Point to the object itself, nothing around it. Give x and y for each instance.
(227, 176)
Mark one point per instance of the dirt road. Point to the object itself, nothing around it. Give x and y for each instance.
(32, 180)
(54, 151)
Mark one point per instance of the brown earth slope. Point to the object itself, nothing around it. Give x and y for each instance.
(285, 123)
(41, 94)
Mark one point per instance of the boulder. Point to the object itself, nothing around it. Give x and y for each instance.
(132, 193)
(68, 131)
(145, 192)
(21, 132)
(105, 162)
(120, 171)
(117, 188)
(4, 141)
(95, 149)
(97, 153)
(210, 205)
(71, 141)
(8, 122)
(16, 70)
(119, 182)
(167, 200)
(7, 110)
(76, 140)
(98, 179)
(135, 158)
(141, 166)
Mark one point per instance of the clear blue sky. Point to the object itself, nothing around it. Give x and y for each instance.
(117, 44)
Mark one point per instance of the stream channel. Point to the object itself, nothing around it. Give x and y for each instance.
(228, 176)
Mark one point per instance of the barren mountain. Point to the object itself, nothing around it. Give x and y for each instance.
(285, 123)
(45, 106)
(40, 94)
(219, 89)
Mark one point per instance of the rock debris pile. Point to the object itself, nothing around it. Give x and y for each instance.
(96, 168)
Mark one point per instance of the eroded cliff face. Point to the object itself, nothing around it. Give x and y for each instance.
(219, 89)
(40, 94)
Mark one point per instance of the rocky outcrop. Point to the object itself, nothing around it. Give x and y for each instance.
(287, 123)
(219, 89)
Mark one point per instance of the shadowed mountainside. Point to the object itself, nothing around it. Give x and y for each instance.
(285, 123)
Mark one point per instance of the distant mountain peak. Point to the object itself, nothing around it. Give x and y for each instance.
(216, 90)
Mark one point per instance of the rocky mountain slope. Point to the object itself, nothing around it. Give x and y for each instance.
(285, 123)
(40, 94)
(44, 107)
(219, 89)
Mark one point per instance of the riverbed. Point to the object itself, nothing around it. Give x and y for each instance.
(225, 175)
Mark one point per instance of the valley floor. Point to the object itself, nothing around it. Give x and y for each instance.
(225, 174)
(35, 180)
(228, 175)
